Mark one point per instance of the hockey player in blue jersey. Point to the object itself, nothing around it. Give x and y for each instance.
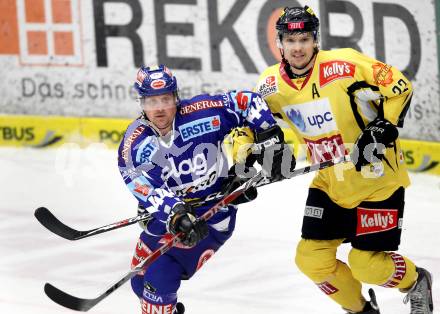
(172, 154)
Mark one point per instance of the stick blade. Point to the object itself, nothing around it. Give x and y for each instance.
(52, 223)
(64, 299)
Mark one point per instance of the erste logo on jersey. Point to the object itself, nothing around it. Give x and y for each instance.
(268, 86)
(146, 150)
(199, 127)
(334, 70)
(312, 118)
(372, 220)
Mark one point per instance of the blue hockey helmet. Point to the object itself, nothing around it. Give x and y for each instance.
(155, 80)
(298, 19)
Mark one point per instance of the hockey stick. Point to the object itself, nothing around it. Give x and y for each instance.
(266, 181)
(48, 220)
(83, 305)
(53, 224)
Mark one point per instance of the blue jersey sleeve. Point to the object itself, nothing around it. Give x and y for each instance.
(249, 109)
(138, 161)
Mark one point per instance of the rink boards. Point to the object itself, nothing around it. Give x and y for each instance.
(51, 132)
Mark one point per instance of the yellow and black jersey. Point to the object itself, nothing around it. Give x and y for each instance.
(328, 109)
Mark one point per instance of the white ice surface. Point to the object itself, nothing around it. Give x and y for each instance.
(253, 273)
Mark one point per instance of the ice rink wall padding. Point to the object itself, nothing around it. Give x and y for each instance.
(53, 132)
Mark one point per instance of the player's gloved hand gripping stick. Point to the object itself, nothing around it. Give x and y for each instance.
(80, 304)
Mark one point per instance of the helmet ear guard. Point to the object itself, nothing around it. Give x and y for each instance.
(278, 41)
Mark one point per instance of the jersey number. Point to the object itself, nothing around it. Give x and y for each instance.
(402, 84)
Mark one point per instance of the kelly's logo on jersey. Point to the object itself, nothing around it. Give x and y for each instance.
(334, 70)
(199, 127)
(372, 220)
(312, 118)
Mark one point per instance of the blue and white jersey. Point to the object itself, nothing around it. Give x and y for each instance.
(190, 164)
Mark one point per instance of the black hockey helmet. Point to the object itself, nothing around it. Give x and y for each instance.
(298, 19)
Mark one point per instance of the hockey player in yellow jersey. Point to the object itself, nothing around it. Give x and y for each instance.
(332, 100)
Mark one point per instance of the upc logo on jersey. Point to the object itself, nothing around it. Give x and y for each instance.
(334, 70)
(297, 119)
(42, 32)
(326, 148)
(199, 127)
(372, 220)
(268, 86)
(312, 118)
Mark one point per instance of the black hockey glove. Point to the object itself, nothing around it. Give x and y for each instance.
(182, 219)
(140, 211)
(371, 144)
(236, 178)
(270, 143)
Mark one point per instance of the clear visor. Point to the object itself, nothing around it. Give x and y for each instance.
(158, 102)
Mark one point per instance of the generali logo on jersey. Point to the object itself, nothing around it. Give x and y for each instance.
(42, 32)
(334, 70)
(372, 220)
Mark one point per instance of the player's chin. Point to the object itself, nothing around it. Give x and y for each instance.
(297, 62)
(163, 124)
